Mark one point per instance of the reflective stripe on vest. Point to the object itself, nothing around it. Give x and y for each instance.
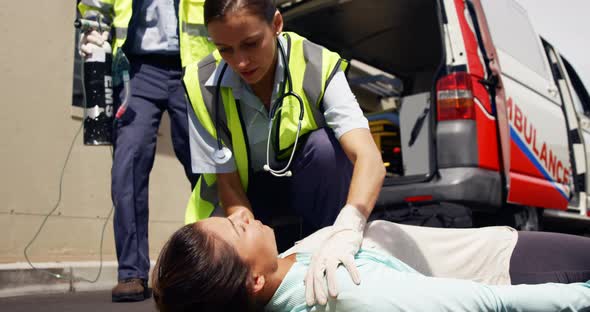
(121, 35)
(312, 68)
(194, 29)
(204, 199)
(193, 36)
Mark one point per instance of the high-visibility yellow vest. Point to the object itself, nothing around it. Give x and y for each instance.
(193, 37)
(311, 67)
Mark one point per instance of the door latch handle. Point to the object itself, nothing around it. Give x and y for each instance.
(418, 126)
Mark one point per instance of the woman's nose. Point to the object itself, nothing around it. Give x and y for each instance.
(244, 216)
(242, 60)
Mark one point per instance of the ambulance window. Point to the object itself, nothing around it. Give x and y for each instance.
(580, 95)
(578, 103)
(513, 33)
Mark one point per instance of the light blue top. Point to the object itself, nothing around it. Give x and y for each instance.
(388, 284)
(154, 29)
(341, 111)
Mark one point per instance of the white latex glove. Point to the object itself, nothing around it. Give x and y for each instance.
(90, 39)
(339, 247)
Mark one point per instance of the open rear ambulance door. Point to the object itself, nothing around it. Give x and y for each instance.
(539, 151)
(577, 121)
(493, 82)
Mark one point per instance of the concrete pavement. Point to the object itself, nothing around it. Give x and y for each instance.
(73, 302)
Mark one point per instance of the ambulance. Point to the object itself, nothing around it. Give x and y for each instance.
(468, 104)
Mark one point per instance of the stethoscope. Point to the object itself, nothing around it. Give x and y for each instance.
(223, 154)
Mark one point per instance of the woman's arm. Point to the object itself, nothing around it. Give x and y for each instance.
(344, 115)
(232, 194)
(369, 171)
(386, 289)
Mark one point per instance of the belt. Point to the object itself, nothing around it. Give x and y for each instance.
(161, 60)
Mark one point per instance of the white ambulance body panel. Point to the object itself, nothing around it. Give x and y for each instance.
(539, 150)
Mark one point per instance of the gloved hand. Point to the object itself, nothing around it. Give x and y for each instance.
(88, 39)
(339, 247)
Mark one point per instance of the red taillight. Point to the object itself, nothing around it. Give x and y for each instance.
(454, 95)
(414, 199)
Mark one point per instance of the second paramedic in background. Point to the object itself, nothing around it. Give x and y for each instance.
(146, 31)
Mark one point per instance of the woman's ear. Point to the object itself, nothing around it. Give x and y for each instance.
(277, 23)
(258, 282)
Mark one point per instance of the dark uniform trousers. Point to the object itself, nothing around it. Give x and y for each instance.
(155, 87)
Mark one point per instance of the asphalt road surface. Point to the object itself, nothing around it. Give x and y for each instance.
(70, 302)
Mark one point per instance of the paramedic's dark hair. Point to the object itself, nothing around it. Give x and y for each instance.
(218, 9)
(197, 271)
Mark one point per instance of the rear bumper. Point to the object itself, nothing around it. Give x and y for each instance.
(479, 188)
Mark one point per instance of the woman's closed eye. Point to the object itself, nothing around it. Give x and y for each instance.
(245, 46)
(225, 50)
(239, 226)
(250, 44)
(236, 227)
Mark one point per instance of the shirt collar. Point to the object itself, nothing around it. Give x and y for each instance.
(232, 80)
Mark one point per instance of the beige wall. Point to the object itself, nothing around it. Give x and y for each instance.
(36, 67)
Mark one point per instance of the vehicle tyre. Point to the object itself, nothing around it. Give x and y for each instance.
(522, 218)
(440, 214)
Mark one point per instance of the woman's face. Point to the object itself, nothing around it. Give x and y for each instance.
(246, 42)
(254, 241)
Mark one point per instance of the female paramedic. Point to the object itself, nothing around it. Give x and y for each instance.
(276, 129)
(232, 264)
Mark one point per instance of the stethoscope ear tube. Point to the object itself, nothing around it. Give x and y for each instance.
(277, 106)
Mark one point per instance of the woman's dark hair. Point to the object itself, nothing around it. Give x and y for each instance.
(197, 271)
(218, 9)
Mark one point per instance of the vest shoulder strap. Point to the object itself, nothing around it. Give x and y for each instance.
(212, 98)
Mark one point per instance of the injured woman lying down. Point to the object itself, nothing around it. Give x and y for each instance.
(232, 264)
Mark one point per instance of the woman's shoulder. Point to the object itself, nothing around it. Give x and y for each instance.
(308, 244)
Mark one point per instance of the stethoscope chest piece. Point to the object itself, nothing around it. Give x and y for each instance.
(222, 156)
